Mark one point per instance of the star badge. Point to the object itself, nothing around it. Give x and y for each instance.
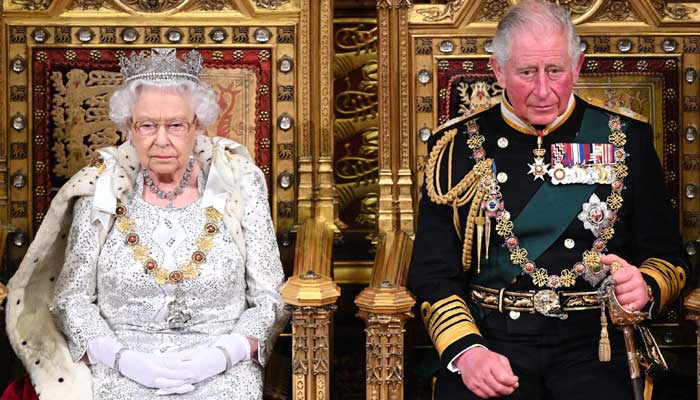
(539, 169)
(595, 215)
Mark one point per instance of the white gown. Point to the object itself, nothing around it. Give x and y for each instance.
(110, 293)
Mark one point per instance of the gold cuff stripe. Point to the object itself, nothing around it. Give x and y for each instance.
(453, 334)
(436, 312)
(447, 321)
(663, 288)
(455, 322)
(446, 301)
(674, 276)
(437, 318)
(449, 318)
(668, 277)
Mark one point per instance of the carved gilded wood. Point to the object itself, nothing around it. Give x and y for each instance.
(316, 193)
(395, 177)
(385, 306)
(356, 133)
(311, 295)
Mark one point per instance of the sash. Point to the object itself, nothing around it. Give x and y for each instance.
(548, 213)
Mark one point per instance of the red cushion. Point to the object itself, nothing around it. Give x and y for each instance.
(20, 389)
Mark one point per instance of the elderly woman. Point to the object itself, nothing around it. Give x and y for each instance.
(169, 284)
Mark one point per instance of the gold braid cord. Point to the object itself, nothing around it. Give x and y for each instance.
(467, 190)
(670, 278)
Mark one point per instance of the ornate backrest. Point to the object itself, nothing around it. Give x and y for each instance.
(60, 64)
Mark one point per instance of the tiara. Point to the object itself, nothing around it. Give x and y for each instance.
(162, 65)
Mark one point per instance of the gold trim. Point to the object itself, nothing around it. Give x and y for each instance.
(359, 274)
(453, 334)
(627, 113)
(441, 319)
(670, 278)
(461, 118)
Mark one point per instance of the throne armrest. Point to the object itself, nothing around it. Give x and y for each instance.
(384, 307)
(311, 295)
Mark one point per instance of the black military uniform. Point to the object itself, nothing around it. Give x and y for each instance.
(553, 357)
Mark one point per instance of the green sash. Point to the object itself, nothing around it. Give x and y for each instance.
(548, 213)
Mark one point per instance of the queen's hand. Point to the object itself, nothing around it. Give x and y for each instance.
(203, 363)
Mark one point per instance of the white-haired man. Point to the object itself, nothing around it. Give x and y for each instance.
(527, 208)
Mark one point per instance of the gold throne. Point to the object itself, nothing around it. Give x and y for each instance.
(641, 55)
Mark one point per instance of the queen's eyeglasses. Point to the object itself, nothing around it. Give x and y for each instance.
(173, 127)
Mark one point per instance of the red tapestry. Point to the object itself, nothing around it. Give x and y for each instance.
(71, 89)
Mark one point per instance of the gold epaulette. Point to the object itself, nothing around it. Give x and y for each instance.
(447, 321)
(624, 111)
(456, 120)
(444, 145)
(467, 192)
(669, 278)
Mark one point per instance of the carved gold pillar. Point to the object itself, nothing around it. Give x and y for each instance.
(4, 138)
(3, 241)
(311, 294)
(316, 192)
(3, 295)
(395, 179)
(692, 306)
(384, 307)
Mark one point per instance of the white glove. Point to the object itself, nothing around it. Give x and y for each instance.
(237, 346)
(206, 362)
(103, 349)
(155, 371)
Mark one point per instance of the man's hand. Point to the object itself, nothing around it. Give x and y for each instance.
(630, 287)
(485, 373)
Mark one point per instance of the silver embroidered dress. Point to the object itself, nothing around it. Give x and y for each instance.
(104, 292)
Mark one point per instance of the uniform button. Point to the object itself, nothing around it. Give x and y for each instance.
(502, 177)
(514, 315)
(502, 142)
(569, 243)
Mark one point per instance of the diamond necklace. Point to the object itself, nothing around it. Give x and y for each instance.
(178, 190)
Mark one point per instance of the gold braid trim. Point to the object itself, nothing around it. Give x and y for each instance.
(474, 212)
(467, 190)
(669, 278)
(447, 321)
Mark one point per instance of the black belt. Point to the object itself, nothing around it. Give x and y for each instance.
(546, 302)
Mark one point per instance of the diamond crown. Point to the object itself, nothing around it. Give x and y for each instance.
(162, 65)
